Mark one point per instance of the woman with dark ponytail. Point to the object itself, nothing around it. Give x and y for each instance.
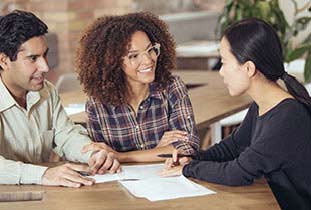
(274, 139)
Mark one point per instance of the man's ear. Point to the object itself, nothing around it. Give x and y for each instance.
(4, 61)
(250, 68)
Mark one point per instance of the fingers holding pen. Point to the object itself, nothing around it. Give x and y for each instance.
(177, 159)
(66, 175)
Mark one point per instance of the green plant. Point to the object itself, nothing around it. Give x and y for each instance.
(270, 11)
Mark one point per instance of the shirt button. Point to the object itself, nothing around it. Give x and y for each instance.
(142, 146)
(141, 107)
(137, 127)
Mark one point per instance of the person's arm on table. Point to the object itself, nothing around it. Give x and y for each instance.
(16, 172)
(264, 156)
(220, 155)
(69, 140)
(68, 174)
(182, 117)
(230, 147)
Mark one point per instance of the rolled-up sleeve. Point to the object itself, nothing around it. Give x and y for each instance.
(69, 138)
(94, 125)
(16, 172)
(182, 117)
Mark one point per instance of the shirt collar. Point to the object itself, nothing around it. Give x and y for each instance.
(154, 92)
(7, 100)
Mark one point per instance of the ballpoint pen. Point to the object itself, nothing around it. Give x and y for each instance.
(170, 155)
(83, 173)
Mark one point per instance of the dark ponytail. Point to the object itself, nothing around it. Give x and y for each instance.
(254, 40)
(296, 89)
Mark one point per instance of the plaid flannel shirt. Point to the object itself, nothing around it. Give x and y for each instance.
(162, 111)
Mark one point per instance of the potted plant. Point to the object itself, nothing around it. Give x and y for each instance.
(270, 11)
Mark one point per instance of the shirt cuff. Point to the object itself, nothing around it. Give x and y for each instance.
(32, 174)
(184, 147)
(85, 157)
(187, 171)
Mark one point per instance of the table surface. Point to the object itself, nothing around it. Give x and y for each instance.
(211, 100)
(112, 195)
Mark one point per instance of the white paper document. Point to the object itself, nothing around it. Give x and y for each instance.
(132, 172)
(144, 181)
(141, 171)
(106, 178)
(156, 189)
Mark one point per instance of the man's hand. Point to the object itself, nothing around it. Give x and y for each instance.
(67, 175)
(101, 162)
(172, 136)
(96, 146)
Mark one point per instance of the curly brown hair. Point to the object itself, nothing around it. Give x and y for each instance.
(106, 41)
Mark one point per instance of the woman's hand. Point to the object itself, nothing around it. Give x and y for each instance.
(102, 162)
(174, 165)
(103, 159)
(175, 171)
(172, 136)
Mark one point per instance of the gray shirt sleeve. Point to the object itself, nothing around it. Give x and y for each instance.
(270, 145)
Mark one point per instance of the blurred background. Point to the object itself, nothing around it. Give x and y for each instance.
(67, 18)
(188, 20)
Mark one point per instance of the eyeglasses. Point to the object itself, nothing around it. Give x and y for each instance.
(151, 52)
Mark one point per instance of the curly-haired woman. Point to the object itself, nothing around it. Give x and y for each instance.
(136, 108)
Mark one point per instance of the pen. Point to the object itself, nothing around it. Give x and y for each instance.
(125, 180)
(83, 173)
(170, 155)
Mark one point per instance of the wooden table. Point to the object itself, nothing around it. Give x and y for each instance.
(211, 101)
(112, 195)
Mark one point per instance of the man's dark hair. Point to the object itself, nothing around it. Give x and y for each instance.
(16, 28)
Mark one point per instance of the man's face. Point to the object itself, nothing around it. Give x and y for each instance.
(28, 71)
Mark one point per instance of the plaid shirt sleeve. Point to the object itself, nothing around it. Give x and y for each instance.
(94, 123)
(182, 117)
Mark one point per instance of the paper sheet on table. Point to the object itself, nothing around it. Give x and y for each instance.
(74, 108)
(105, 178)
(132, 172)
(144, 181)
(156, 189)
(141, 171)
